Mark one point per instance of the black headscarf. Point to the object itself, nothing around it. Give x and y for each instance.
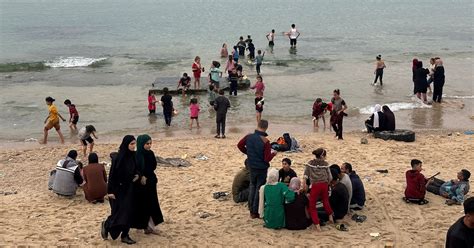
(93, 158)
(124, 152)
(389, 119)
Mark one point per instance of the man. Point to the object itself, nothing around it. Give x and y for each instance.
(221, 105)
(358, 191)
(461, 233)
(345, 180)
(259, 154)
(293, 35)
(241, 46)
(271, 38)
(240, 185)
(68, 175)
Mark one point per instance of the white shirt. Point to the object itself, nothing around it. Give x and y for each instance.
(293, 33)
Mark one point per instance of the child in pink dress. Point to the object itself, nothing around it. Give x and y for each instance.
(194, 112)
(259, 86)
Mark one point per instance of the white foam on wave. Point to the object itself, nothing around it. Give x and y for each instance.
(397, 106)
(69, 62)
(458, 97)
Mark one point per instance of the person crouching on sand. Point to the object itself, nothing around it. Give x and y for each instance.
(52, 120)
(319, 109)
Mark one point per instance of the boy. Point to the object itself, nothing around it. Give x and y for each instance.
(233, 78)
(251, 49)
(215, 74)
(271, 38)
(241, 46)
(212, 95)
(285, 174)
(73, 114)
(221, 105)
(185, 83)
(319, 109)
(85, 136)
(259, 60)
(416, 184)
(456, 189)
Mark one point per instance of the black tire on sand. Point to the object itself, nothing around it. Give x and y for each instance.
(398, 135)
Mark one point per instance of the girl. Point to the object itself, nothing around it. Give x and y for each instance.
(194, 112)
(230, 66)
(318, 174)
(337, 113)
(147, 207)
(197, 69)
(151, 103)
(224, 52)
(52, 120)
(259, 101)
(259, 86)
(85, 136)
(319, 109)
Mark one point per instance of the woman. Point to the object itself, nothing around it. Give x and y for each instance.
(388, 119)
(95, 176)
(122, 175)
(296, 215)
(167, 104)
(413, 68)
(151, 103)
(197, 69)
(376, 120)
(147, 208)
(52, 121)
(337, 113)
(421, 84)
(438, 81)
(379, 66)
(273, 197)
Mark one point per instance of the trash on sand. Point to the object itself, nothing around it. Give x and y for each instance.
(374, 235)
(201, 157)
(204, 215)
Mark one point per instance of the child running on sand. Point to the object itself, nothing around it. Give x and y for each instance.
(194, 112)
(319, 109)
(73, 114)
(259, 101)
(85, 136)
(52, 121)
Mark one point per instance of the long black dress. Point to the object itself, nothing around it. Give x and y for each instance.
(120, 184)
(146, 202)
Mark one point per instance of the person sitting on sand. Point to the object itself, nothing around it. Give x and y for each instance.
(376, 120)
(461, 233)
(95, 177)
(388, 119)
(285, 174)
(358, 191)
(240, 185)
(296, 214)
(456, 189)
(273, 197)
(416, 184)
(317, 171)
(345, 180)
(339, 199)
(68, 175)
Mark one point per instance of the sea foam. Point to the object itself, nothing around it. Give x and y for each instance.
(70, 62)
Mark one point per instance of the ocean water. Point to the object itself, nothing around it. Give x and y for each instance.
(104, 55)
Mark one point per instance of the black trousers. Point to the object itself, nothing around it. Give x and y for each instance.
(167, 116)
(220, 121)
(437, 91)
(379, 74)
(337, 125)
(258, 68)
(233, 88)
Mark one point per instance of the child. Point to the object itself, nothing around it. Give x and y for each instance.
(52, 120)
(319, 109)
(224, 52)
(286, 173)
(416, 184)
(73, 114)
(251, 49)
(235, 54)
(151, 103)
(185, 83)
(194, 112)
(212, 95)
(85, 136)
(259, 101)
(215, 74)
(259, 86)
(259, 60)
(233, 78)
(197, 69)
(240, 70)
(456, 190)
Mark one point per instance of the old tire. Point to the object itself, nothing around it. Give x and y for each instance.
(398, 135)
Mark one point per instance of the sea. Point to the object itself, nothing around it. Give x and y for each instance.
(104, 55)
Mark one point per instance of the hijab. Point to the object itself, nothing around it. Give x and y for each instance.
(377, 109)
(124, 152)
(295, 184)
(272, 176)
(272, 179)
(141, 141)
(414, 64)
(389, 118)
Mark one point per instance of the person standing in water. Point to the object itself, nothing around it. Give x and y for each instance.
(379, 66)
(52, 121)
(167, 104)
(271, 38)
(224, 52)
(438, 81)
(197, 69)
(241, 45)
(337, 114)
(293, 35)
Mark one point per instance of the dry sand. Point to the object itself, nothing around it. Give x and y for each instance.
(36, 216)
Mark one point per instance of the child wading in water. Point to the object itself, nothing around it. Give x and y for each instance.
(319, 109)
(52, 121)
(259, 86)
(212, 95)
(73, 114)
(85, 136)
(197, 69)
(259, 101)
(194, 112)
(259, 60)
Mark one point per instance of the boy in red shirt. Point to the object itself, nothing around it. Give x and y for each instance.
(416, 184)
(73, 114)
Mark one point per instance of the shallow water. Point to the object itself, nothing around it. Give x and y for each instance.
(104, 55)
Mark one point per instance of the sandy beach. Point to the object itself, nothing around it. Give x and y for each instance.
(32, 215)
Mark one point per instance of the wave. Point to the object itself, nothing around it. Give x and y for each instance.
(458, 97)
(71, 62)
(397, 106)
(26, 66)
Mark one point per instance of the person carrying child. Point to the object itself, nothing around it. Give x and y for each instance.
(185, 83)
(319, 109)
(84, 135)
(416, 184)
(73, 114)
(52, 120)
(194, 112)
(259, 60)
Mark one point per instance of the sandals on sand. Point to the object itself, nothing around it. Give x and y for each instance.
(342, 227)
(417, 201)
(359, 218)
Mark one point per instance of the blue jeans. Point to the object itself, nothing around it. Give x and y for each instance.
(258, 177)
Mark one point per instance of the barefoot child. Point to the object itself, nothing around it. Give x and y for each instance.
(185, 83)
(52, 120)
(194, 112)
(85, 136)
(319, 109)
(197, 69)
(259, 60)
(212, 95)
(259, 101)
(73, 114)
(259, 86)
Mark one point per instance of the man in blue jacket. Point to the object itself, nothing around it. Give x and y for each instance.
(259, 154)
(358, 191)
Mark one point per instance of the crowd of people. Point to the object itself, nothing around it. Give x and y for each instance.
(423, 77)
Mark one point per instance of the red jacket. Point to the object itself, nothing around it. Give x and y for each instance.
(416, 185)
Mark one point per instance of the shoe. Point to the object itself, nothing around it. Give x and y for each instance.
(217, 136)
(127, 240)
(223, 137)
(254, 216)
(103, 231)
